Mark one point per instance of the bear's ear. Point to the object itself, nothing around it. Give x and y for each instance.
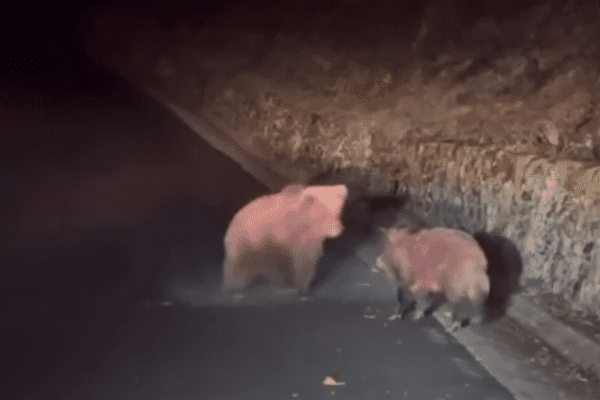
(341, 196)
(292, 190)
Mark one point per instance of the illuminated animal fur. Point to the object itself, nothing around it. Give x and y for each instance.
(280, 236)
(435, 265)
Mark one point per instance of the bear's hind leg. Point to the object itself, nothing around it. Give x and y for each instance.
(274, 276)
(305, 268)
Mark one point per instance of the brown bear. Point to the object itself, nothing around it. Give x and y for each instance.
(280, 236)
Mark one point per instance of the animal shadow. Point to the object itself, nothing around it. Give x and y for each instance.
(504, 271)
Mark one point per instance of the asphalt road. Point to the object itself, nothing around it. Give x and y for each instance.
(110, 206)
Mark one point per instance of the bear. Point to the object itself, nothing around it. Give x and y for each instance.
(432, 266)
(280, 236)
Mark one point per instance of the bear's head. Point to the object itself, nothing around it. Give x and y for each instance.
(321, 208)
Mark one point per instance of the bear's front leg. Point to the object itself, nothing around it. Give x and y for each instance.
(305, 268)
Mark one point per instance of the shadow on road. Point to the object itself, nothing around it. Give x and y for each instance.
(504, 269)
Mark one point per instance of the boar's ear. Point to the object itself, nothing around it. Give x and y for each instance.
(393, 235)
(413, 230)
(292, 190)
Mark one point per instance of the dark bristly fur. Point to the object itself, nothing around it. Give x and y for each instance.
(362, 215)
(364, 211)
